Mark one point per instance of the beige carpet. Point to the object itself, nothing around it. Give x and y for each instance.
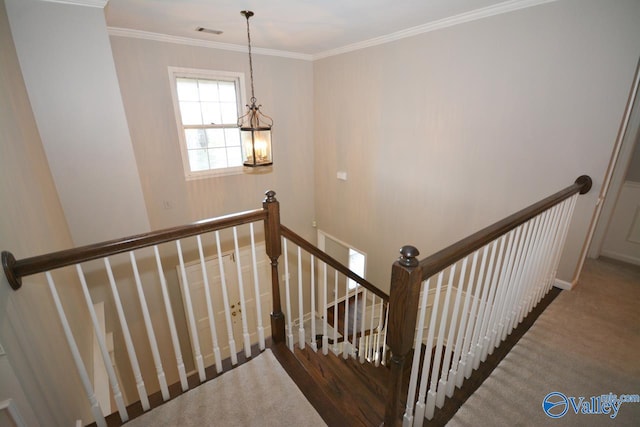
(586, 343)
(258, 393)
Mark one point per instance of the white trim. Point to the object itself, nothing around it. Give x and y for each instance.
(90, 3)
(474, 15)
(621, 257)
(13, 411)
(564, 285)
(147, 35)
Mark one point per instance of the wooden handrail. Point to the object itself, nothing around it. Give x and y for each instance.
(304, 244)
(15, 270)
(444, 258)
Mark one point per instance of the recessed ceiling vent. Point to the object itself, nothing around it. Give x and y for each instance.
(208, 30)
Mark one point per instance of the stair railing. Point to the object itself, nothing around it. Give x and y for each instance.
(351, 310)
(197, 251)
(495, 276)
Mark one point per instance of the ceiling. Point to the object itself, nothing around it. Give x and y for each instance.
(306, 27)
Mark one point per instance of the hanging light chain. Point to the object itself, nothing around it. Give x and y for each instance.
(248, 14)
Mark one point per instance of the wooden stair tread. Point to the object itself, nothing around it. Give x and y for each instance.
(360, 402)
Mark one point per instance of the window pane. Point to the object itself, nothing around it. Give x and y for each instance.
(227, 92)
(208, 90)
(229, 113)
(195, 138)
(215, 137)
(234, 156)
(198, 160)
(218, 158)
(211, 113)
(190, 112)
(232, 137)
(187, 89)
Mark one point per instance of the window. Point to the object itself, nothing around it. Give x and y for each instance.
(207, 105)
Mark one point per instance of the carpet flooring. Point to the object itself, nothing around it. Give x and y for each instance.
(258, 393)
(586, 343)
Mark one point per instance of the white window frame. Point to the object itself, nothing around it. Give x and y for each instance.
(178, 72)
(353, 285)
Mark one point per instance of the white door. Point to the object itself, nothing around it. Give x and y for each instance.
(234, 309)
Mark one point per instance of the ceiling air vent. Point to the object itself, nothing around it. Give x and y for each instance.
(208, 30)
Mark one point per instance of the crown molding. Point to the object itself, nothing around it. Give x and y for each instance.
(474, 15)
(91, 3)
(146, 35)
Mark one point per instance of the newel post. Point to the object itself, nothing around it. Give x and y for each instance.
(406, 276)
(274, 250)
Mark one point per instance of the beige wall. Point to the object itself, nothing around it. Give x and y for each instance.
(37, 373)
(446, 132)
(283, 87)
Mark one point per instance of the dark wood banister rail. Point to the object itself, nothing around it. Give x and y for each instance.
(304, 244)
(408, 273)
(15, 270)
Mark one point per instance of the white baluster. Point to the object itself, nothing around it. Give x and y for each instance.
(448, 382)
(225, 299)
(301, 337)
(288, 297)
(355, 324)
(172, 324)
(485, 308)
(384, 337)
(505, 286)
(427, 410)
(407, 419)
(115, 386)
(490, 307)
(314, 343)
(210, 314)
(460, 355)
(436, 385)
(243, 312)
(475, 321)
(150, 332)
(325, 312)
(82, 371)
(133, 359)
(256, 286)
(370, 337)
(345, 343)
(335, 314)
(361, 343)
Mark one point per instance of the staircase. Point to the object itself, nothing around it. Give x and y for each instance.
(343, 391)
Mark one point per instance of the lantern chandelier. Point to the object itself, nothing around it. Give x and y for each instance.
(255, 127)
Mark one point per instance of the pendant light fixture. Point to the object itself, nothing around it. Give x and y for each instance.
(255, 127)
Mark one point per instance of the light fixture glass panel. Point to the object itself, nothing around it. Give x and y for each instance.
(247, 146)
(187, 89)
(190, 112)
(262, 144)
(227, 92)
(218, 158)
(195, 138)
(198, 160)
(215, 138)
(211, 113)
(208, 90)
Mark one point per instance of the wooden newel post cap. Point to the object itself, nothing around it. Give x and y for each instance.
(408, 256)
(271, 196)
(586, 183)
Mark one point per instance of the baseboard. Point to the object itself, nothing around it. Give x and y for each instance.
(621, 257)
(564, 285)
